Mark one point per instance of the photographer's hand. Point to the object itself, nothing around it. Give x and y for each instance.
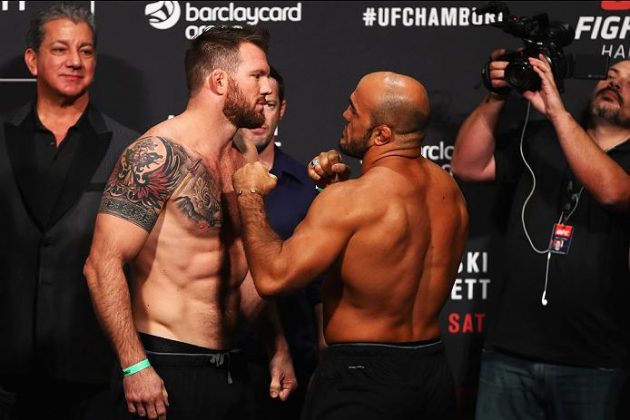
(547, 100)
(604, 178)
(496, 70)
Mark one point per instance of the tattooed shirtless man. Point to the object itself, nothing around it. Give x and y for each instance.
(169, 210)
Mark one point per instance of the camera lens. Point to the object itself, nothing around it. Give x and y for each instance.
(520, 75)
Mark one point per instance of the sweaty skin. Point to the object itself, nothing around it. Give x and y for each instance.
(169, 211)
(390, 240)
(180, 290)
(399, 265)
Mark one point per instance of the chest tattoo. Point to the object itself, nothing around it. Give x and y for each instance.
(198, 198)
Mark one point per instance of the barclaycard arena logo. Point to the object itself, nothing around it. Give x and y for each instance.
(440, 153)
(163, 14)
(166, 14)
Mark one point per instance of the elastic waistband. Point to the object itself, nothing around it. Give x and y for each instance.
(163, 352)
(416, 348)
(405, 344)
(167, 352)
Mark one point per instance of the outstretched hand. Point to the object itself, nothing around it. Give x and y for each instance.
(328, 168)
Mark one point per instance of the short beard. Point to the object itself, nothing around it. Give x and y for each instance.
(612, 116)
(357, 150)
(238, 111)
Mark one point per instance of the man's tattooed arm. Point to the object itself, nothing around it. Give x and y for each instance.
(144, 178)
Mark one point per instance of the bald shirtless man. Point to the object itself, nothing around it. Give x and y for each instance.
(169, 209)
(390, 242)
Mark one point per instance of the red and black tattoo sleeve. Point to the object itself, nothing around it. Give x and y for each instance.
(144, 178)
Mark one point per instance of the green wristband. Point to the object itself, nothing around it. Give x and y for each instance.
(142, 364)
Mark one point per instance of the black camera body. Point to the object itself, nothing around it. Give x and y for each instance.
(540, 37)
(520, 75)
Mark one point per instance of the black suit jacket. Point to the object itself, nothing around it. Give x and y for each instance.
(46, 317)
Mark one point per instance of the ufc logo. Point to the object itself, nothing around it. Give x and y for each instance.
(566, 232)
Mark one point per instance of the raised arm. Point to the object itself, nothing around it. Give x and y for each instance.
(607, 181)
(473, 157)
(141, 183)
(283, 266)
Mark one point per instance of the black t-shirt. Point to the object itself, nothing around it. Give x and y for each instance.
(588, 290)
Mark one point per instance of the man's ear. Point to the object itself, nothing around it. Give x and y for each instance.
(381, 134)
(30, 58)
(283, 108)
(217, 81)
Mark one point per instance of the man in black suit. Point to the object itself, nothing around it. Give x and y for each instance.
(56, 154)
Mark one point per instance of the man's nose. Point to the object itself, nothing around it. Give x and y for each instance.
(265, 87)
(614, 84)
(74, 59)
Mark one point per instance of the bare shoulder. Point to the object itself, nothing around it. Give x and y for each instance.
(446, 196)
(338, 191)
(347, 202)
(166, 129)
(146, 174)
(440, 178)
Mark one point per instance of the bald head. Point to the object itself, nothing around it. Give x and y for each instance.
(396, 100)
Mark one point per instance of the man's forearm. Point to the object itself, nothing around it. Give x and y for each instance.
(262, 245)
(607, 181)
(272, 332)
(111, 300)
(319, 320)
(252, 305)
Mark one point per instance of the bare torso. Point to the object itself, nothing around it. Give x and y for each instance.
(187, 276)
(398, 268)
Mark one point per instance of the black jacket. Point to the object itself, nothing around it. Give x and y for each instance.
(46, 317)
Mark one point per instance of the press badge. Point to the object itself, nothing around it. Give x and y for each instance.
(561, 239)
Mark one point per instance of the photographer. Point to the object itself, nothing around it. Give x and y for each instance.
(558, 346)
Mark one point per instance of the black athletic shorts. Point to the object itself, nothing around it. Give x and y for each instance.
(382, 381)
(201, 383)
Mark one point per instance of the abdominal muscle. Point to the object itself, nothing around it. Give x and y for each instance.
(186, 283)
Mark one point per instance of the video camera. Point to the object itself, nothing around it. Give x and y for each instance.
(540, 37)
